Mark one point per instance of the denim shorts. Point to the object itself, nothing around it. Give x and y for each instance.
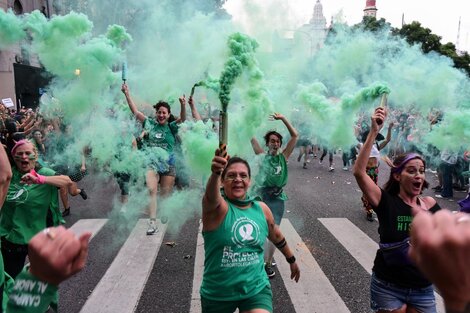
(277, 207)
(262, 300)
(389, 297)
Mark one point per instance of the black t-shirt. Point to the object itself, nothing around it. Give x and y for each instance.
(394, 224)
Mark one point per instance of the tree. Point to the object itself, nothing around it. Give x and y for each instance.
(414, 33)
(370, 23)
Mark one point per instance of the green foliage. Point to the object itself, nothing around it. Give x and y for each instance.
(414, 33)
(370, 23)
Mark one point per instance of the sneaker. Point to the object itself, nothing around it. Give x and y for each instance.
(370, 217)
(442, 197)
(152, 227)
(321, 161)
(314, 156)
(269, 271)
(66, 212)
(345, 168)
(83, 194)
(331, 169)
(299, 157)
(305, 165)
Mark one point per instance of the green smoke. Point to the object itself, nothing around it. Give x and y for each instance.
(198, 145)
(118, 35)
(11, 29)
(334, 121)
(242, 49)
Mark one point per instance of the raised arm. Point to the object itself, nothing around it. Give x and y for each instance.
(214, 206)
(256, 146)
(384, 143)
(292, 132)
(194, 111)
(27, 121)
(139, 115)
(277, 238)
(35, 178)
(367, 185)
(183, 109)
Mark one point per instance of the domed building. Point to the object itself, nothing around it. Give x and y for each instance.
(312, 34)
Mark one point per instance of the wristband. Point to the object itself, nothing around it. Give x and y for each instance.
(281, 244)
(291, 260)
(41, 179)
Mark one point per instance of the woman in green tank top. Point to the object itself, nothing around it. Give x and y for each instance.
(235, 228)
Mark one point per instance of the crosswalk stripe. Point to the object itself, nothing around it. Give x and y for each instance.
(198, 272)
(92, 225)
(120, 288)
(313, 292)
(360, 246)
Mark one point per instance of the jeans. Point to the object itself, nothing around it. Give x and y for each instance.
(389, 297)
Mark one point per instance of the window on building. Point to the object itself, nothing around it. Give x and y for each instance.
(17, 7)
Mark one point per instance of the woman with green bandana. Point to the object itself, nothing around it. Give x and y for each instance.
(273, 177)
(235, 228)
(31, 194)
(397, 285)
(55, 254)
(158, 140)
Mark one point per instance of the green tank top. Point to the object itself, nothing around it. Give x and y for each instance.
(234, 257)
(273, 173)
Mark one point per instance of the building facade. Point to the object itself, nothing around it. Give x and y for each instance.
(16, 60)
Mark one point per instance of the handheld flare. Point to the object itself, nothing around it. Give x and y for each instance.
(383, 104)
(223, 126)
(124, 71)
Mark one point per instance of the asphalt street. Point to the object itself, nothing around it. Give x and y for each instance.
(314, 193)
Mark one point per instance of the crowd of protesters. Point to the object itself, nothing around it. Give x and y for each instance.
(33, 144)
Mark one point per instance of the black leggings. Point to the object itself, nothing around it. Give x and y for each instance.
(330, 155)
(14, 257)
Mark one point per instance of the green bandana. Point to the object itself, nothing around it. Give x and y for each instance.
(238, 202)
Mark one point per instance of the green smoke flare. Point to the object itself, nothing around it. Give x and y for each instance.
(242, 49)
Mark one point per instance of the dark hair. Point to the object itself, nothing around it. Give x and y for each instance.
(392, 186)
(272, 132)
(160, 104)
(10, 126)
(234, 160)
(165, 104)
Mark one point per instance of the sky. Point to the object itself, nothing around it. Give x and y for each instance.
(442, 17)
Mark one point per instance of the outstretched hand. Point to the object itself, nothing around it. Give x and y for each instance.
(182, 99)
(124, 89)
(440, 247)
(218, 163)
(378, 118)
(276, 116)
(56, 254)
